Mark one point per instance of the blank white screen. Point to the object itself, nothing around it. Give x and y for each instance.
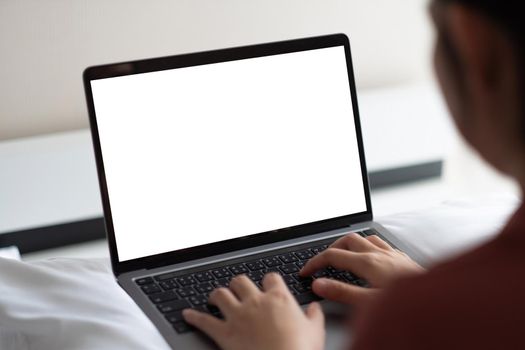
(213, 152)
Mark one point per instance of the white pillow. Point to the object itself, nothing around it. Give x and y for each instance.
(76, 304)
(69, 304)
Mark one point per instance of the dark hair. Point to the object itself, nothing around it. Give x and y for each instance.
(508, 14)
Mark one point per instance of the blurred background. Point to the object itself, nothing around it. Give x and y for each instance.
(48, 187)
(46, 45)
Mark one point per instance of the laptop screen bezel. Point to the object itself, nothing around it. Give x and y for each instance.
(209, 57)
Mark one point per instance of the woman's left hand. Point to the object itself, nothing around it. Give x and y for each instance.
(255, 319)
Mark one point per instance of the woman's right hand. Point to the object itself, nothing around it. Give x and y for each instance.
(370, 258)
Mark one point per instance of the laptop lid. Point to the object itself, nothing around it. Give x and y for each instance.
(206, 153)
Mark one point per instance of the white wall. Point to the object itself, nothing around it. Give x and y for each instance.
(45, 45)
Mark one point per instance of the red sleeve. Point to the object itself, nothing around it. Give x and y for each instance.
(476, 301)
(394, 321)
(463, 306)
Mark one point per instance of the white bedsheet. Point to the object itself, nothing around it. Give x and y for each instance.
(76, 304)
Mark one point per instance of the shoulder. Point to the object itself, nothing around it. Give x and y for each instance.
(474, 300)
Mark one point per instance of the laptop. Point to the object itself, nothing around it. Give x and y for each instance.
(236, 161)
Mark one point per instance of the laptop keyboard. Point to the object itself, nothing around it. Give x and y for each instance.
(174, 291)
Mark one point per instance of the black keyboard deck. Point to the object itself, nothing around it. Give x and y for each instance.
(174, 291)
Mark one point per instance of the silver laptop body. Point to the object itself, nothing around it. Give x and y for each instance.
(219, 158)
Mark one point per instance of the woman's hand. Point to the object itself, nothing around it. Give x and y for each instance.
(370, 258)
(254, 319)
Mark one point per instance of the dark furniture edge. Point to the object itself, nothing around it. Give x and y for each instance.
(396, 176)
(47, 237)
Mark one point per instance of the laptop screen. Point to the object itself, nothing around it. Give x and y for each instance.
(208, 153)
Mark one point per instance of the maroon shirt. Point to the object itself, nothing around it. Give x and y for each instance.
(476, 301)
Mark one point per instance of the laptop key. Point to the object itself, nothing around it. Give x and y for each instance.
(292, 290)
(182, 327)
(203, 276)
(255, 265)
(289, 280)
(300, 264)
(172, 306)
(238, 269)
(272, 261)
(288, 258)
(204, 287)
(306, 298)
(302, 287)
(221, 272)
(272, 269)
(339, 277)
(221, 282)
(289, 268)
(174, 317)
(144, 280)
(151, 288)
(304, 254)
(186, 280)
(166, 276)
(320, 273)
(333, 271)
(163, 297)
(197, 300)
(202, 308)
(209, 309)
(349, 276)
(169, 284)
(186, 292)
(301, 279)
(319, 249)
(360, 283)
(255, 275)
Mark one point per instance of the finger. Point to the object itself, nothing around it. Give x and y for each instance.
(273, 280)
(376, 240)
(224, 299)
(353, 242)
(315, 314)
(338, 258)
(243, 287)
(212, 326)
(342, 292)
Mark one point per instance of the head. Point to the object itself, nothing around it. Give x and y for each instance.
(479, 60)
